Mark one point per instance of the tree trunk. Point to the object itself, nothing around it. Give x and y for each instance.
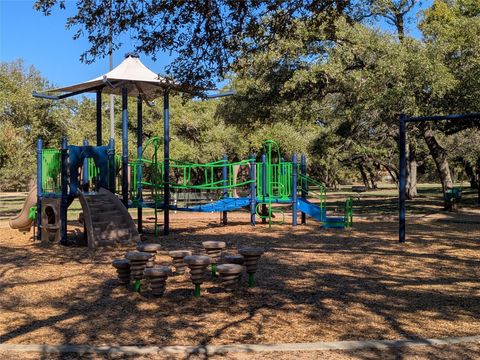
(371, 173)
(478, 180)
(364, 176)
(439, 155)
(412, 171)
(470, 171)
(393, 175)
(399, 24)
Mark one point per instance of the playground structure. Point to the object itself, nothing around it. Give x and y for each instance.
(96, 175)
(90, 173)
(270, 181)
(86, 172)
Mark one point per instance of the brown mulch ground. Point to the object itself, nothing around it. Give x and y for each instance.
(313, 285)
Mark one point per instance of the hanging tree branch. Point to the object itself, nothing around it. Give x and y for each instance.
(204, 37)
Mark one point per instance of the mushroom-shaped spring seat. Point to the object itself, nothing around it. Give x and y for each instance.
(229, 274)
(251, 255)
(177, 257)
(234, 259)
(123, 270)
(213, 249)
(138, 261)
(157, 277)
(152, 249)
(197, 265)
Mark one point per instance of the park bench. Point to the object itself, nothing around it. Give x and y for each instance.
(452, 198)
(359, 189)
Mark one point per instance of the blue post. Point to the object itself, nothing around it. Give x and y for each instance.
(111, 165)
(85, 170)
(125, 146)
(294, 190)
(303, 171)
(39, 187)
(403, 177)
(99, 117)
(225, 189)
(64, 200)
(139, 164)
(252, 190)
(264, 188)
(166, 162)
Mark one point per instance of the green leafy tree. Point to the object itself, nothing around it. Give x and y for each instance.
(23, 119)
(205, 37)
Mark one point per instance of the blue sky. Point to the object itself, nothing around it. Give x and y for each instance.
(45, 43)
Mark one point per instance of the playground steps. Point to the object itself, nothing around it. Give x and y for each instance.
(107, 221)
(109, 217)
(102, 225)
(104, 233)
(334, 223)
(105, 207)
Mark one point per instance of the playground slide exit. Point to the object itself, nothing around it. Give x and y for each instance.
(22, 221)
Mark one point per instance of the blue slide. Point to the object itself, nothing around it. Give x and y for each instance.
(320, 214)
(334, 223)
(312, 210)
(303, 205)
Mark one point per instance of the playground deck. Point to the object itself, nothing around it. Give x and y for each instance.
(313, 285)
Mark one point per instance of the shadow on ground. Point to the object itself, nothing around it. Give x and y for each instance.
(312, 285)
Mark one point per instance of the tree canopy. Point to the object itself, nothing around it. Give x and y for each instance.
(319, 77)
(205, 37)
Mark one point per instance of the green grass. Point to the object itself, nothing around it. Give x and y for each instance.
(383, 201)
(10, 205)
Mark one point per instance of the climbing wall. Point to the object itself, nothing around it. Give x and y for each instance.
(107, 222)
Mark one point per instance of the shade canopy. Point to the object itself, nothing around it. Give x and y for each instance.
(136, 77)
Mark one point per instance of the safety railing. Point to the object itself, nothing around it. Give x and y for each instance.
(312, 189)
(278, 180)
(94, 173)
(270, 212)
(349, 212)
(51, 171)
(190, 175)
(151, 181)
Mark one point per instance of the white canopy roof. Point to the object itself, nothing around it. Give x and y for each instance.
(131, 73)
